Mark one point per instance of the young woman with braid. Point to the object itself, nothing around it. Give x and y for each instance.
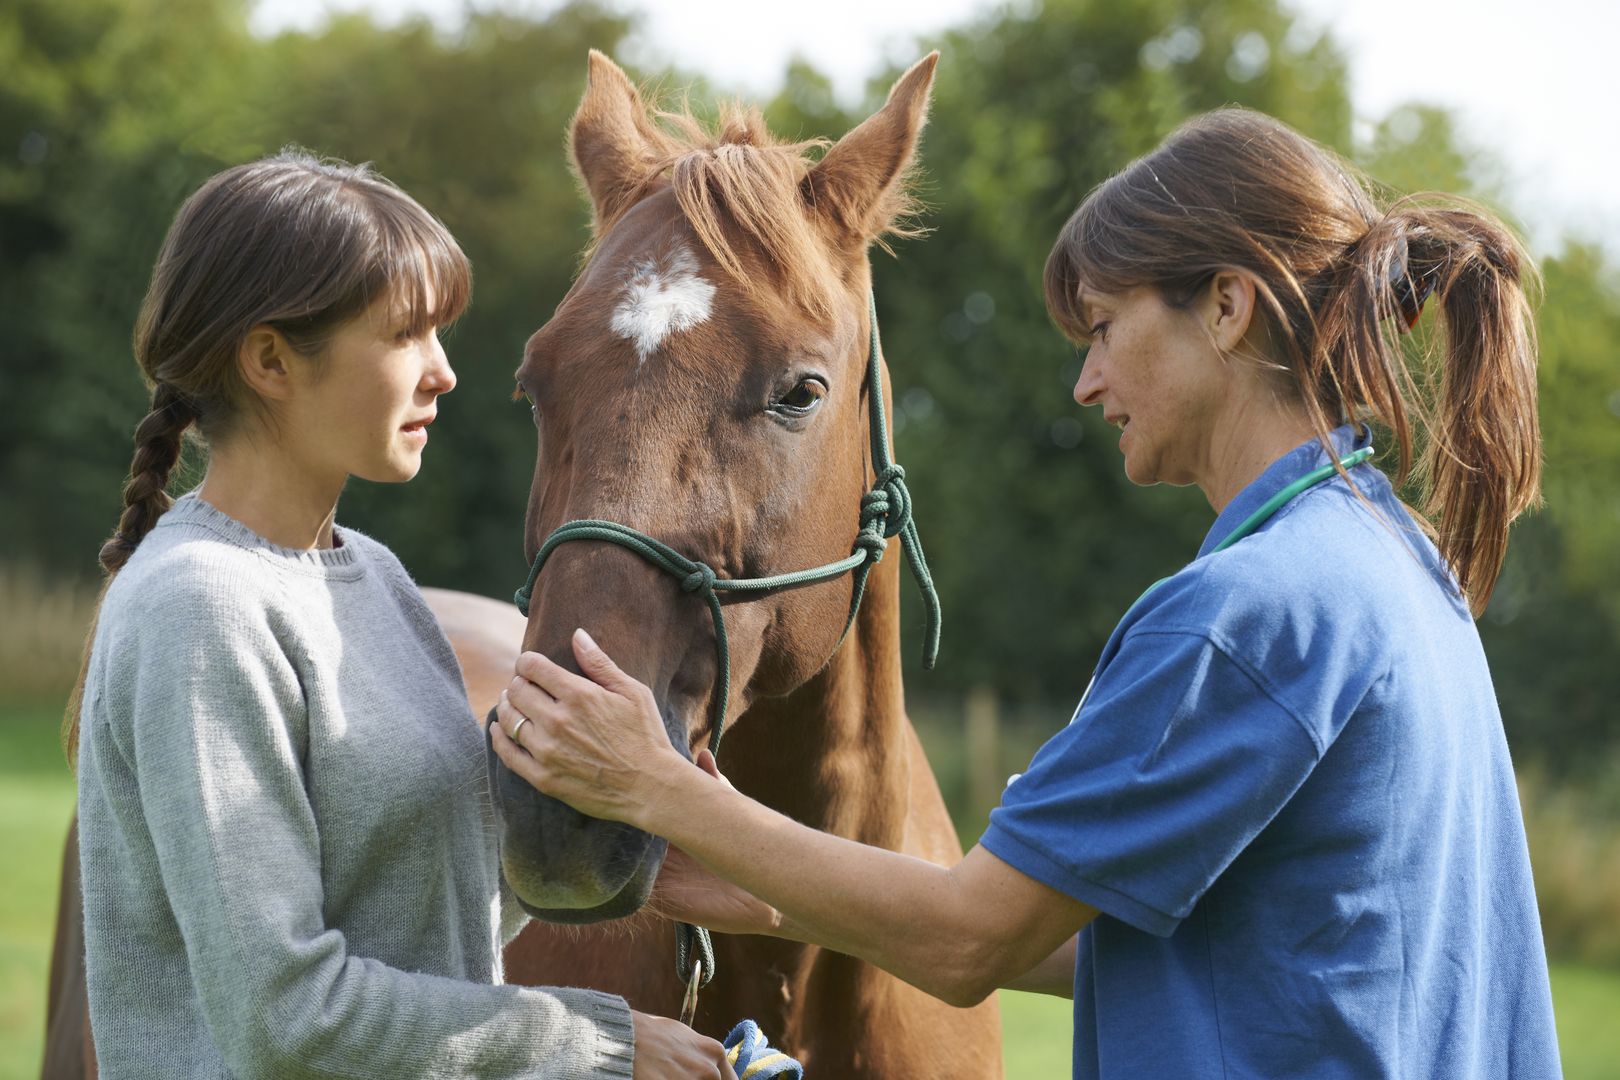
(287, 863)
(1280, 836)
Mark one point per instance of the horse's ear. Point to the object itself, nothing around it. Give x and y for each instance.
(859, 187)
(613, 142)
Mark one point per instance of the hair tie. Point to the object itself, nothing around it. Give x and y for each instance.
(170, 399)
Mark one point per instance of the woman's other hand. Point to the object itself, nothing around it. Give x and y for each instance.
(669, 1050)
(595, 741)
(688, 891)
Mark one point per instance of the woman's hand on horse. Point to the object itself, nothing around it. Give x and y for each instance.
(669, 1050)
(595, 741)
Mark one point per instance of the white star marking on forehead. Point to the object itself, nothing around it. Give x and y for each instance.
(662, 297)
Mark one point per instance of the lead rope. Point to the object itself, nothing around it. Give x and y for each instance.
(885, 512)
(753, 1058)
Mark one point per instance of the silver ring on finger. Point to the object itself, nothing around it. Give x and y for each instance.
(513, 734)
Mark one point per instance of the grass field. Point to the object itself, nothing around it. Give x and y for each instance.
(36, 801)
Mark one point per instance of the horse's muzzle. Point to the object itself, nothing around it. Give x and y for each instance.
(564, 866)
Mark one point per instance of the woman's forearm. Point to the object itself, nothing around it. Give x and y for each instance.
(1053, 975)
(910, 917)
(596, 741)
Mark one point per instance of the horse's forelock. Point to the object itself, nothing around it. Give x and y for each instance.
(742, 192)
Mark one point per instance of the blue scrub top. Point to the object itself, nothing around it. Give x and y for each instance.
(1289, 794)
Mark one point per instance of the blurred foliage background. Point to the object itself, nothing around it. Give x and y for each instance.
(112, 111)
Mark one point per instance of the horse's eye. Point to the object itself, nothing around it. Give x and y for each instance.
(802, 398)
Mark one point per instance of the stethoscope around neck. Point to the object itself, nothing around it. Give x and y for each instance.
(1270, 507)
(1249, 524)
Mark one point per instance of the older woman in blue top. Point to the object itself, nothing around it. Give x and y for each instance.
(1280, 836)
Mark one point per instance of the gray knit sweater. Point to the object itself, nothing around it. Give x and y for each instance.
(287, 847)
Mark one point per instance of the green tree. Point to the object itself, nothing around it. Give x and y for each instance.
(120, 109)
(112, 110)
(97, 111)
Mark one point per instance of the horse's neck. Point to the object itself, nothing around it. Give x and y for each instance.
(835, 754)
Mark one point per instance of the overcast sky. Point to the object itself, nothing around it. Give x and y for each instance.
(1536, 84)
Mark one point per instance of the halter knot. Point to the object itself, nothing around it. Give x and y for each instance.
(700, 580)
(871, 541)
(888, 502)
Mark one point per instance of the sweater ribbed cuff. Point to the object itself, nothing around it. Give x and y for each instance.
(616, 1036)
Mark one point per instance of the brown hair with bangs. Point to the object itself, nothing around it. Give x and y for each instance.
(294, 242)
(1338, 277)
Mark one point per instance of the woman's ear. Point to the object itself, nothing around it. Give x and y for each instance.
(1229, 308)
(266, 362)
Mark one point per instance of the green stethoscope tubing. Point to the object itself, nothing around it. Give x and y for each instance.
(1277, 502)
(1249, 524)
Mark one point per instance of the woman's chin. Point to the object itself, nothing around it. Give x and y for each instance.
(1139, 473)
(396, 470)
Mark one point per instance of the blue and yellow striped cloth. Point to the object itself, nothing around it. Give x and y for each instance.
(753, 1058)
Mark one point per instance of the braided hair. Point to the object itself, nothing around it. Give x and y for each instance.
(158, 439)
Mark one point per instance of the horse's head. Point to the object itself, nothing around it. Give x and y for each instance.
(704, 383)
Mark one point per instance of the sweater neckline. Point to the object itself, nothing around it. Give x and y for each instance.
(190, 509)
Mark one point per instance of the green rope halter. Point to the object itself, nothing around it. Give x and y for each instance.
(885, 512)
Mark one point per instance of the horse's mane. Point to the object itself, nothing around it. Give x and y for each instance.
(734, 181)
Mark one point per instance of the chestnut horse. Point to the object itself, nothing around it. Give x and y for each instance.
(704, 382)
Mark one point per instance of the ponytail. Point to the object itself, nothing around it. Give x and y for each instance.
(158, 439)
(1483, 461)
(1461, 404)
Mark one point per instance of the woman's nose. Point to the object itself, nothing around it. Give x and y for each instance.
(1088, 388)
(439, 376)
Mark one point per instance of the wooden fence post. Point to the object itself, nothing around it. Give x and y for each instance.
(983, 745)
